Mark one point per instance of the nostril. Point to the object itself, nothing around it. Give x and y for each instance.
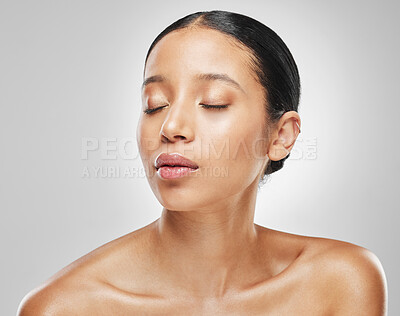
(166, 139)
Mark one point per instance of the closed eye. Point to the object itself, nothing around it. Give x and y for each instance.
(149, 111)
(218, 107)
(207, 106)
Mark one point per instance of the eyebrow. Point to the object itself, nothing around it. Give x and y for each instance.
(204, 77)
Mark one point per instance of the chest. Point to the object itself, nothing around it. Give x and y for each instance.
(292, 301)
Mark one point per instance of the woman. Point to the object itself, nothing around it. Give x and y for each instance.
(220, 98)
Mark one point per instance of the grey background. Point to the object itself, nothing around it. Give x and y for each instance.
(73, 69)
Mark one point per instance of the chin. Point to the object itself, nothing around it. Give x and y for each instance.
(174, 202)
(179, 200)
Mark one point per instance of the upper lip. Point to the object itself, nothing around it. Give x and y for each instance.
(174, 159)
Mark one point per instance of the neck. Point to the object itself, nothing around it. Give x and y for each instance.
(209, 248)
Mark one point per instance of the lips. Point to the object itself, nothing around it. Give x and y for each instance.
(174, 160)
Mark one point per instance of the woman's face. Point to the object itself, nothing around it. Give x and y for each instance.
(187, 69)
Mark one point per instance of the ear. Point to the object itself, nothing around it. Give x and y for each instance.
(284, 135)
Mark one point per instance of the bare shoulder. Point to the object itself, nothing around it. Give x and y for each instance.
(81, 287)
(337, 276)
(57, 297)
(349, 277)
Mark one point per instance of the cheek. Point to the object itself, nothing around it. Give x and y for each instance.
(147, 137)
(234, 145)
(246, 157)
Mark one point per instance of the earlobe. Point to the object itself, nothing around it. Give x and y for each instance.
(278, 151)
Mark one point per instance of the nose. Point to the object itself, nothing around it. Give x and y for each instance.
(178, 124)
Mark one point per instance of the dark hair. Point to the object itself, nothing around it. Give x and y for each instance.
(273, 63)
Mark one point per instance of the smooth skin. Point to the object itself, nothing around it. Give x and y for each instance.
(205, 255)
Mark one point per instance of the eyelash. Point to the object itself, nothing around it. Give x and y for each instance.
(206, 106)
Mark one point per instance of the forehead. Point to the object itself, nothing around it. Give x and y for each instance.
(187, 52)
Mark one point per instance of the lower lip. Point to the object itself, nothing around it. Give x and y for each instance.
(168, 172)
